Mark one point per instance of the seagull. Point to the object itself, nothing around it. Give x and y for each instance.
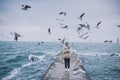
(42, 42)
(97, 26)
(86, 37)
(105, 41)
(25, 7)
(65, 27)
(82, 25)
(64, 13)
(81, 16)
(59, 39)
(16, 35)
(118, 26)
(49, 31)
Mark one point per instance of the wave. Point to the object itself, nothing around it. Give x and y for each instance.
(94, 54)
(13, 73)
(41, 58)
(51, 53)
(35, 56)
(28, 64)
(99, 54)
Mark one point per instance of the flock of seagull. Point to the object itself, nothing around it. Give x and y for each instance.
(79, 29)
(85, 25)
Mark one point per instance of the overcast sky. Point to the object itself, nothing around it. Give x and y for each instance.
(34, 23)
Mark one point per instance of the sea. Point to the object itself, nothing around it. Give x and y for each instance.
(101, 60)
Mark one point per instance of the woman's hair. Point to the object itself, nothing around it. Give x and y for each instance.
(66, 43)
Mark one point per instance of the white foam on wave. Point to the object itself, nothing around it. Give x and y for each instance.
(41, 58)
(35, 56)
(52, 53)
(28, 64)
(13, 73)
(94, 54)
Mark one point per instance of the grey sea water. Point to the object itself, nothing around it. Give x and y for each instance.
(15, 65)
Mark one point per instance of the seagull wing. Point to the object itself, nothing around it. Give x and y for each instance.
(99, 23)
(82, 15)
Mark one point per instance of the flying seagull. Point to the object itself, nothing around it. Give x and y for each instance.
(16, 35)
(82, 25)
(64, 13)
(65, 27)
(49, 31)
(59, 39)
(86, 37)
(118, 26)
(97, 26)
(25, 7)
(105, 41)
(81, 16)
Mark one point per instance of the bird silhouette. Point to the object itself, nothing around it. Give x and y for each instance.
(85, 26)
(81, 16)
(49, 30)
(82, 25)
(97, 26)
(16, 35)
(25, 7)
(118, 26)
(105, 41)
(42, 42)
(59, 39)
(64, 13)
(86, 37)
(65, 27)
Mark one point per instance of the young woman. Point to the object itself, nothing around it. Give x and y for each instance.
(66, 55)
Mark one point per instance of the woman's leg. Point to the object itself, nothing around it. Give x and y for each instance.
(65, 60)
(68, 61)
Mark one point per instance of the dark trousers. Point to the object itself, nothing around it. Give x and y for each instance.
(67, 62)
